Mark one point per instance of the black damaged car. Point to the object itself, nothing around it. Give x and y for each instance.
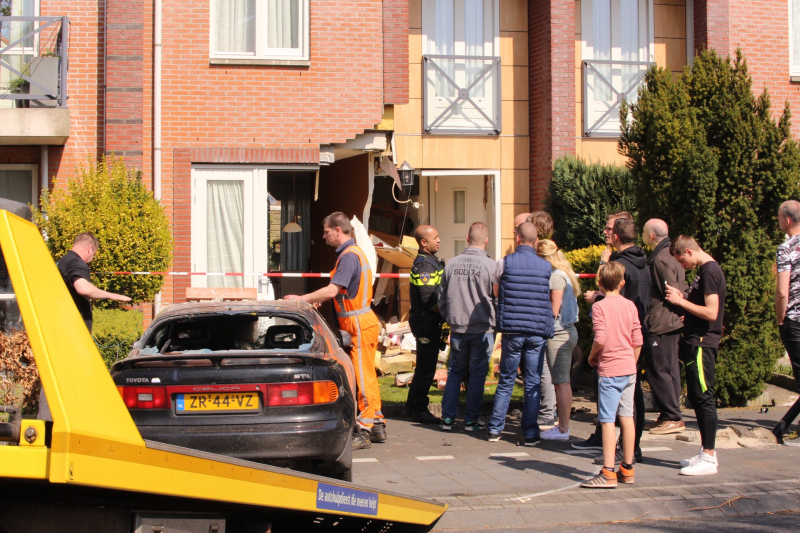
(265, 381)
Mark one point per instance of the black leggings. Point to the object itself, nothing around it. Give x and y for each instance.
(700, 364)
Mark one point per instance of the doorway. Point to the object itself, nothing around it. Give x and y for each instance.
(453, 200)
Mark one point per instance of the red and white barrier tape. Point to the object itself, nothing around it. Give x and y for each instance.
(269, 274)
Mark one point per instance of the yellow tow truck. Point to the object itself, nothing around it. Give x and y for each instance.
(91, 471)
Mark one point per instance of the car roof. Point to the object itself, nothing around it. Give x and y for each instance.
(245, 306)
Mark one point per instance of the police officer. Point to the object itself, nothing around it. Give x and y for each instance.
(425, 321)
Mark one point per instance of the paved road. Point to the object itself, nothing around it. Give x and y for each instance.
(503, 484)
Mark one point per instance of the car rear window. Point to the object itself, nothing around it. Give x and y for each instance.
(245, 332)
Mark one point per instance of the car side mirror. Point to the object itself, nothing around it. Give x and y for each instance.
(345, 339)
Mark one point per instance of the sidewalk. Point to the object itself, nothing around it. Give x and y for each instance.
(504, 484)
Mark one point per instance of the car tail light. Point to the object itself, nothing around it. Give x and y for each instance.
(307, 393)
(144, 397)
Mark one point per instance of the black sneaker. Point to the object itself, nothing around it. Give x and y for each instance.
(425, 417)
(378, 433)
(637, 455)
(592, 443)
(532, 441)
(361, 439)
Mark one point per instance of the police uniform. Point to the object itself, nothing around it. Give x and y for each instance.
(426, 325)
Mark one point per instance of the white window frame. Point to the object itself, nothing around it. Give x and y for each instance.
(262, 51)
(794, 72)
(428, 29)
(34, 178)
(646, 24)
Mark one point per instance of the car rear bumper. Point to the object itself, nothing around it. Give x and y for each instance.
(322, 440)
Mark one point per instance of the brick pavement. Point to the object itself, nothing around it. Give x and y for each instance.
(507, 485)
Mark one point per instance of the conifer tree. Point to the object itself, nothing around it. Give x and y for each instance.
(707, 157)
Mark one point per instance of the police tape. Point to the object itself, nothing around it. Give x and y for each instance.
(389, 275)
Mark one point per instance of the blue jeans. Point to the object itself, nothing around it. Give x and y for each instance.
(526, 352)
(467, 350)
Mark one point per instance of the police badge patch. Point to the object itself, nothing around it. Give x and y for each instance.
(425, 277)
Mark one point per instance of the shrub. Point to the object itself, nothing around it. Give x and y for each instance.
(20, 382)
(707, 157)
(585, 261)
(115, 331)
(580, 195)
(130, 224)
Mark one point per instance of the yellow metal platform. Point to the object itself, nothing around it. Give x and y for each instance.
(96, 445)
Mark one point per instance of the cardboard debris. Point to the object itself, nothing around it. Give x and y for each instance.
(403, 380)
(403, 362)
(390, 248)
(398, 328)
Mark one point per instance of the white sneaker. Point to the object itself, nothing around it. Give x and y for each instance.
(693, 460)
(554, 434)
(705, 465)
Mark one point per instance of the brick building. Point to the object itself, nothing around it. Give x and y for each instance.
(246, 115)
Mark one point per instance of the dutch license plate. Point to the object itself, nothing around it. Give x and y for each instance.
(208, 402)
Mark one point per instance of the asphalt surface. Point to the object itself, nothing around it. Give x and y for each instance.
(507, 485)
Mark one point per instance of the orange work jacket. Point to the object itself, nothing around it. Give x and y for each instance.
(355, 312)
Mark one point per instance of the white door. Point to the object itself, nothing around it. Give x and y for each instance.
(229, 225)
(455, 203)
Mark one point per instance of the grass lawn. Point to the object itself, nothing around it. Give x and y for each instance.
(391, 395)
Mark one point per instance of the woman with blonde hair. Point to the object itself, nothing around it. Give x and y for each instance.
(564, 292)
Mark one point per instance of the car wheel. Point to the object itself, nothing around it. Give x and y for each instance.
(342, 468)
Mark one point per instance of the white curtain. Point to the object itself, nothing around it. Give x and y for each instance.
(474, 41)
(629, 42)
(225, 232)
(444, 44)
(796, 33)
(601, 44)
(283, 17)
(235, 28)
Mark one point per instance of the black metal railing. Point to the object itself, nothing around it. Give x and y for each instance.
(605, 84)
(461, 94)
(34, 53)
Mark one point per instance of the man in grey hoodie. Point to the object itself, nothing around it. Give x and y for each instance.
(466, 301)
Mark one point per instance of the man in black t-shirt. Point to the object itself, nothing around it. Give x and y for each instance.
(74, 268)
(702, 330)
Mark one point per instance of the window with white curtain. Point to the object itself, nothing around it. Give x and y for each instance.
(461, 29)
(617, 46)
(260, 29)
(794, 37)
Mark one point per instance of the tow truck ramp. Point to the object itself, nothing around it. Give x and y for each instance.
(91, 471)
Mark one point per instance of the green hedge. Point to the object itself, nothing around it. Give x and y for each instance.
(585, 261)
(581, 194)
(115, 331)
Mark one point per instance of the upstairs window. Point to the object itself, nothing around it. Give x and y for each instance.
(259, 29)
(618, 48)
(461, 64)
(794, 38)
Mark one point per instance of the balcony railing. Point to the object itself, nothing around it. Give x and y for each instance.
(34, 57)
(461, 94)
(605, 85)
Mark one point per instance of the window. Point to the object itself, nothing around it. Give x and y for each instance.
(260, 29)
(459, 206)
(18, 183)
(462, 66)
(617, 50)
(237, 223)
(794, 37)
(21, 55)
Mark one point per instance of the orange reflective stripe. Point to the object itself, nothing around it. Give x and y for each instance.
(360, 303)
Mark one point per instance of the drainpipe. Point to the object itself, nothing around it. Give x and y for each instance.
(157, 117)
(43, 170)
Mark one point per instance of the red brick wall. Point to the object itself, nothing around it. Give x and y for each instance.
(124, 59)
(395, 51)
(551, 53)
(86, 71)
(711, 24)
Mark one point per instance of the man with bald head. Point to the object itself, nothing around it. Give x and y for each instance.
(425, 322)
(663, 324)
(787, 293)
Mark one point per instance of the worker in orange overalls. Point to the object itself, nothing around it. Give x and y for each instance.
(351, 291)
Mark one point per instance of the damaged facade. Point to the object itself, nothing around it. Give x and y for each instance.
(247, 115)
